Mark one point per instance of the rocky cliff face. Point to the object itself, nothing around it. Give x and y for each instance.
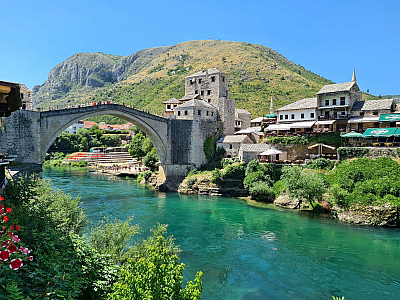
(87, 72)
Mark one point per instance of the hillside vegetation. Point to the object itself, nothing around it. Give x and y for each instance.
(148, 77)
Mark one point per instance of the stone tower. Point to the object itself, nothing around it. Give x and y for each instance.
(353, 79)
(211, 86)
(271, 107)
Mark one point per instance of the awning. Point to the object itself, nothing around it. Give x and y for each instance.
(302, 124)
(330, 122)
(271, 152)
(271, 116)
(380, 132)
(363, 120)
(389, 118)
(352, 134)
(321, 145)
(249, 130)
(274, 127)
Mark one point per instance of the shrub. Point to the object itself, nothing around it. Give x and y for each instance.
(287, 140)
(192, 172)
(150, 160)
(226, 162)
(191, 181)
(278, 188)
(254, 177)
(216, 176)
(261, 191)
(320, 164)
(351, 152)
(234, 171)
(339, 196)
(147, 174)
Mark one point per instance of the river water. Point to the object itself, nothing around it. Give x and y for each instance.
(251, 252)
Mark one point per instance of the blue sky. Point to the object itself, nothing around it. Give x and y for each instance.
(329, 38)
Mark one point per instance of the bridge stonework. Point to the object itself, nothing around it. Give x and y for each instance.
(179, 143)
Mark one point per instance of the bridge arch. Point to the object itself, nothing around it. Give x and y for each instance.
(53, 123)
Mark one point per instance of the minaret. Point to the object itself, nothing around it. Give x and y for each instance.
(354, 76)
(271, 108)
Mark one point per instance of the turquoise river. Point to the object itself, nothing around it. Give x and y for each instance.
(251, 252)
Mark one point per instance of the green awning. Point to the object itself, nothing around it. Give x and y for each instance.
(380, 132)
(271, 116)
(352, 134)
(389, 118)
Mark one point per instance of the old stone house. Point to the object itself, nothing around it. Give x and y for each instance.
(170, 106)
(10, 98)
(196, 110)
(242, 119)
(232, 143)
(248, 152)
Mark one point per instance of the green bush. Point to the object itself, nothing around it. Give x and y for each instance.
(234, 171)
(155, 273)
(287, 140)
(147, 174)
(255, 177)
(191, 181)
(278, 188)
(320, 164)
(351, 152)
(151, 159)
(113, 237)
(192, 172)
(216, 176)
(332, 138)
(262, 191)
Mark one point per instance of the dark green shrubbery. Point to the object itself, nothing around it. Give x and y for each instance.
(320, 164)
(147, 174)
(235, 171)
(351, 152)
(262, 191)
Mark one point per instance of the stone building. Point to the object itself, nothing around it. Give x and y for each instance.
(232, 143)
(196, 110)
(248, 152)
(170, 106)
(211, 87)
(26, 97)
(365, 114)
(242, 119)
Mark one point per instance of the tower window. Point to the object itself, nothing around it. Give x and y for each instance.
(223, 79)
(208, 92)
(199, 112)
(212, 79)
(230, 146)
(179, 112)
(191, 81)
(202, 93)
(199, 80)
(185, 112)
(207, 112)
(196, 91)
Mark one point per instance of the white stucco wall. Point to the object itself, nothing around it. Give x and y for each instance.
(297, 115)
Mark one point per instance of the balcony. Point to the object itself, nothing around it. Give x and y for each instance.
(334, 117)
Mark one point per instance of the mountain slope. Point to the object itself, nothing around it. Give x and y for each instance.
(148, 77)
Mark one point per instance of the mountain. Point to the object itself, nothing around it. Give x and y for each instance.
(149, 77)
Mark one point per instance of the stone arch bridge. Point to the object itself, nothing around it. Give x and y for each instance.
(179, 143)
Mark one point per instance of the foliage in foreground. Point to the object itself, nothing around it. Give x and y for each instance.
(155, 273)
(65, 265)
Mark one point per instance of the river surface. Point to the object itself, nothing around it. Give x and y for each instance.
(249, 252)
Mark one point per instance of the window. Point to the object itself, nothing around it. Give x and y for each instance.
(327, 102)
(22, 95)
(199, 112)
(196, 91)
(302, 116)
(213, 79)
(209, 100)
(342, 100)
(212, 114)
(207, 113)
(208, 92)
(179, 112)
(168, 106)
(226, 93)
(292, 116)
(280, 117)
(191, 81)
(185, 112)
(202, 93)
(375, 113)
(199, 80)
(286, 117)
(175, 105)
(362, 114)
(312, 115)
(334, 102)
(230, 146)
(223, 79)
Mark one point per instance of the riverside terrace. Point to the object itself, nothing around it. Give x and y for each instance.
(373, 137)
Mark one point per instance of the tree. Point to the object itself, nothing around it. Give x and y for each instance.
(135, 147)
(155, 273)
(147, 145)
(151, 159)
(303, 184)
